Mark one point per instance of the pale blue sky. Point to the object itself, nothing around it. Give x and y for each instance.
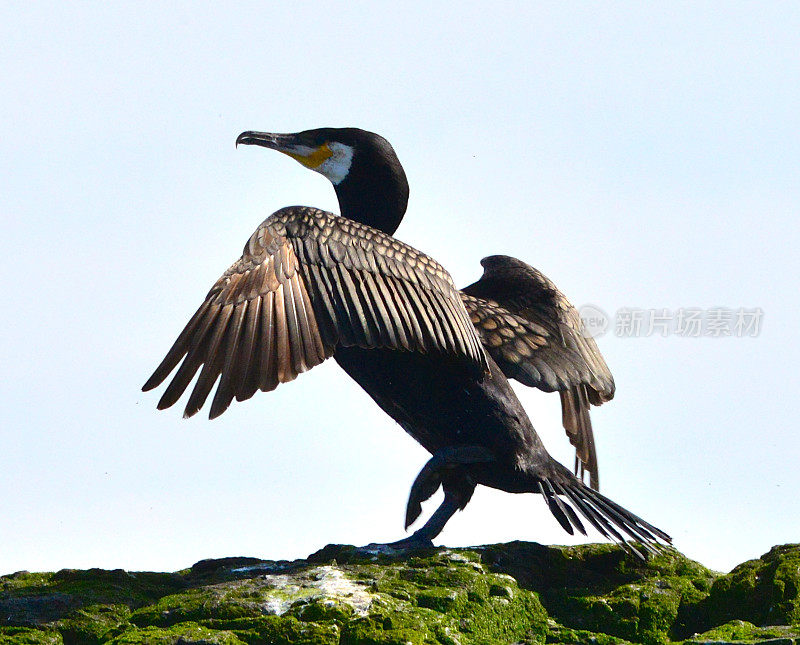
(641, 155)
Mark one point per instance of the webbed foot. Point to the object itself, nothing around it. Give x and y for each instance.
(411, 543)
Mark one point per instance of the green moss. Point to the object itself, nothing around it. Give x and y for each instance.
(442, 600)
(741, 631)
(437, 596)
(378, 629)
(507, 593)
(600, 589)
(560, 635)
(278, 630)
(763, 591)
(94, 624)
(328, 611)
(27, 636)
(115, 587)
(448, 596)
(183, 634)
(644, 612)
(34, 599)
(16, 582)
(197, 604)
(503, 591)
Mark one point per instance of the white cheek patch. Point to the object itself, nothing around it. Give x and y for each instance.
(336, 167)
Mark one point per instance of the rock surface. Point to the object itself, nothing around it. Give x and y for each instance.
(505, 593)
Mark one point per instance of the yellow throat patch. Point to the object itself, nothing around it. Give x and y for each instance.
(315, 158)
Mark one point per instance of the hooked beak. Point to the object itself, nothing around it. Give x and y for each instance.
(288, 144)
(280, 142)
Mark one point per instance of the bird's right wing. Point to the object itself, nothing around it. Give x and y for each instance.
(308, 281)
(537, 337)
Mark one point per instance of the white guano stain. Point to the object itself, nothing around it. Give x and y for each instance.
(328, 584)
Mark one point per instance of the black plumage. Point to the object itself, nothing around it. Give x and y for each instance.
(311, 285)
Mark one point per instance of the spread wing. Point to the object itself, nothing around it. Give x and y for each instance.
(537, 337)
(307, 282)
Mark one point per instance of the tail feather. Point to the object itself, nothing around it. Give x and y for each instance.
(555, 506)
(610, 519)
(627, 520)
(626, 526)
(573, 517)
(587, 512)
(591, 513)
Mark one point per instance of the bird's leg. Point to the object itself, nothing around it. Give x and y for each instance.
(433, 472)
(423, 538)
(443, 469)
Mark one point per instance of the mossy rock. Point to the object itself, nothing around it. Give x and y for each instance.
(94, 624)
(29, 636)
(507, 593)
(181, 634)
(281, 630)
(34, 599)
(560, 635)
(599, 589)
(763, 592)
(742, 632)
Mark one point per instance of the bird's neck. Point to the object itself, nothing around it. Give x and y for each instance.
(375, 196)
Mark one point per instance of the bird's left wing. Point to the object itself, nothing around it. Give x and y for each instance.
(307, 282)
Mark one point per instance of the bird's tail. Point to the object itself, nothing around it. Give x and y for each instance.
(566, 495)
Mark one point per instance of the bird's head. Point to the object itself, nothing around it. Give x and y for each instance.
(328, 151)
(362, 166)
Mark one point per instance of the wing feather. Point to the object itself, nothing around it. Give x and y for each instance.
(268, 359)
(391, 335)
(357, 315)
(284, 353)
(312, 340)
(419, 315)
(349, 325)
(433, 316)
(213, 362)
(296, 344)
(247, 385)
(405, 318)
(372, 318)
(225, 390)
(440, 314)
(194, 359)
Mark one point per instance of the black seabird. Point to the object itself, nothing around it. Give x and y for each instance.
(311, 285)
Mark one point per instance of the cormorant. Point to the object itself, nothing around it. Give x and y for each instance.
(311, 285)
